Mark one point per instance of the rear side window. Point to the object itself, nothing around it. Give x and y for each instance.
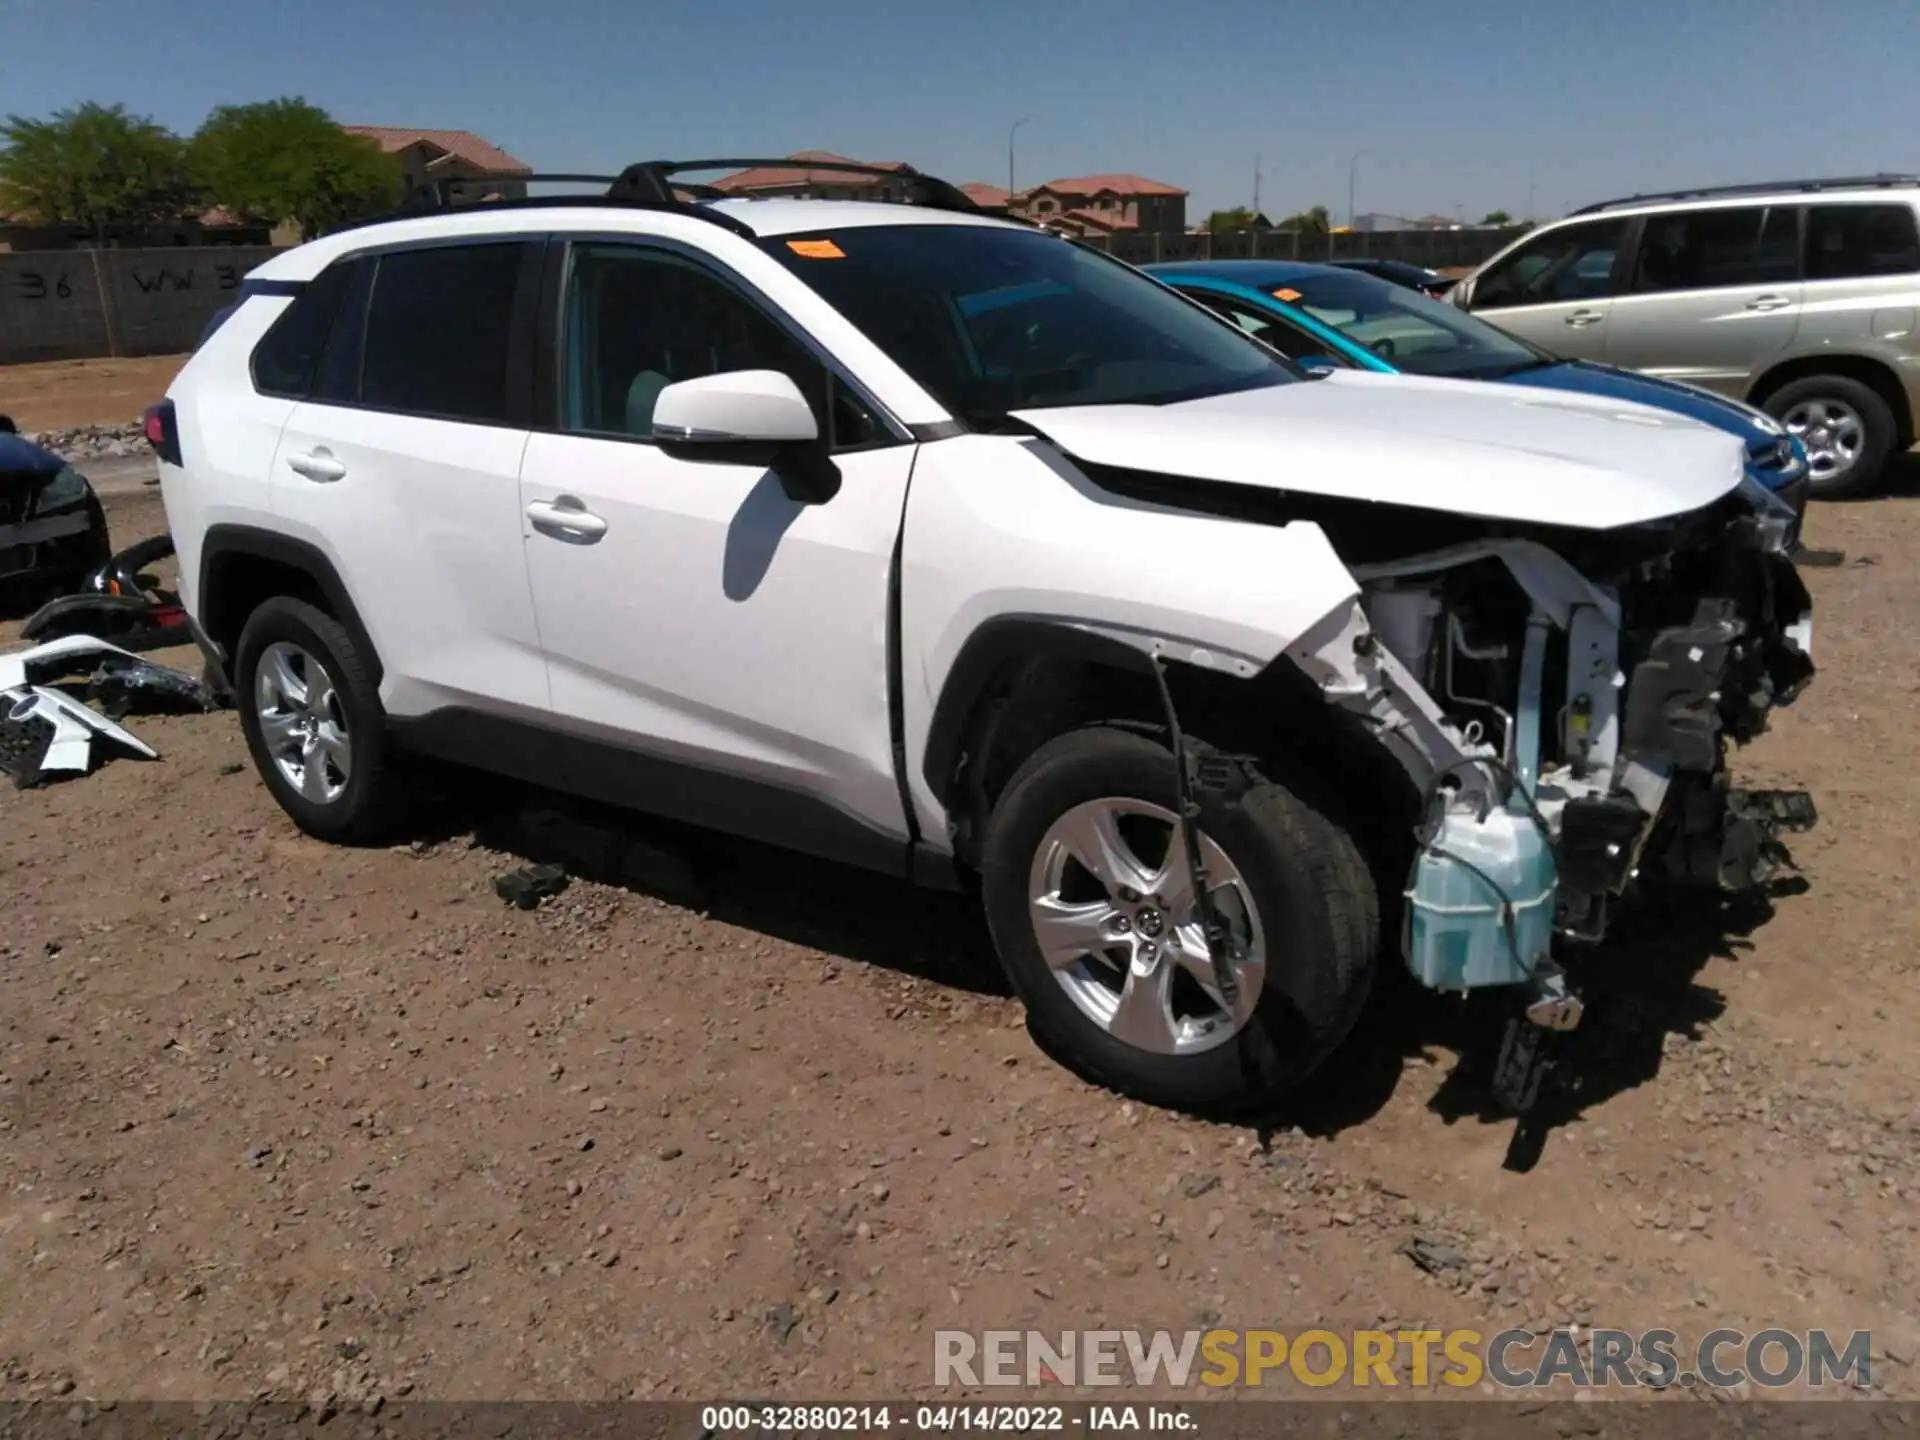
(1705, 249)
(1851, 242)
(284, 360)
(439, 332)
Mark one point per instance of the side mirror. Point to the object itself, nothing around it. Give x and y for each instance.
(740, 407)
(1318, 364)
(749, 417)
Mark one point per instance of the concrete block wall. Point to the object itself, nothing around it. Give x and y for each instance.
(84, 304)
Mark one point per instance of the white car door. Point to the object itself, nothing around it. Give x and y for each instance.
(1556, 289)
(402, 466)
(717, 649)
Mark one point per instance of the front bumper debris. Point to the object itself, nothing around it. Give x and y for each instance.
(1722, 671)
(1702, 645)
(1730, 839)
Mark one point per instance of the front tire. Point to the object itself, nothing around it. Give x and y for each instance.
(1847, 427)
(1086, 892)
(313, 721)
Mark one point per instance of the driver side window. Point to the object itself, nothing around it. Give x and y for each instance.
(1573, 263)
(638, 320)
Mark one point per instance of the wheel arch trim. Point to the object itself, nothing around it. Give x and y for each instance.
(997, 644)
(1877, 374)
(225, 543)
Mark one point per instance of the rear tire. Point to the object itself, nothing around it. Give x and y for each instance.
(1297, 887)
(1847, 427)
(314, 723)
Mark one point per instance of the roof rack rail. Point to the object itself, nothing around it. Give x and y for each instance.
(653, 179)
(439, 195)
(650, 185)
(1881, 181)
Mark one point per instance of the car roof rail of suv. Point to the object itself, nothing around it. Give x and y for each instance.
(441, 196)
(651, 185)
(1715, 192)
(653, 180)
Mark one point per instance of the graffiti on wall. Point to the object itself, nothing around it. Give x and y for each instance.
(33, 285)
(74, 304)
(148, 279)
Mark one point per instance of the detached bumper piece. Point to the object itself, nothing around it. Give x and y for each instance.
(46, 733)
(70, 731)
(114, 605)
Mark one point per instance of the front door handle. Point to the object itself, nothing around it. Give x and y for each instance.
(566, 519)
(317, 465)
(1581, 318)
(1769, 302)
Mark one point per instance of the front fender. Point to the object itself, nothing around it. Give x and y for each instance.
(1005, 540)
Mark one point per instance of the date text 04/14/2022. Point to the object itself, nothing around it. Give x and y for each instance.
(723, 1420)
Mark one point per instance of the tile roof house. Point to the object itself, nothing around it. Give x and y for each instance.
(428, 155)
(1089, 204)
(987, 197)
(1106, 205)
(804, 181)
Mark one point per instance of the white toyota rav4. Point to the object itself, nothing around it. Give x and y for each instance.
(925, 540)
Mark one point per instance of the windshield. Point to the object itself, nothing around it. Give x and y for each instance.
(992, 320)
(1409, 331)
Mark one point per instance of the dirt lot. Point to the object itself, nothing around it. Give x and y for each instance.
(280, 1118)
(64, 393)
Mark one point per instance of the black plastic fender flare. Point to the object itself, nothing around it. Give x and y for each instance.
(225, 543)
(993, 645)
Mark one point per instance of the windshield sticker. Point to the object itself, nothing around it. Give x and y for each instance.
(816, 249)
(1285, 294)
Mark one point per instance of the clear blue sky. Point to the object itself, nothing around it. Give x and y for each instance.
(1460, 103)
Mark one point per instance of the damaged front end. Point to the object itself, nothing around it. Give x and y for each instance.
(1567, 702)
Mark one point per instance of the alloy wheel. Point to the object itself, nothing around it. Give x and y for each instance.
(301, 721)
(1833, 432)
(1112, 906)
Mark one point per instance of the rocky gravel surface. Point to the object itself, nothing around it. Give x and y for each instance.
(286, 1121)
(95, 442)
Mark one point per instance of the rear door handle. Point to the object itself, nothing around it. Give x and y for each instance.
(566, 519)
(1580, 318)
(1769, 302)
(317, 465)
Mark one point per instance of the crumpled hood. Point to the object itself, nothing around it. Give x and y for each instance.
(1499, 452)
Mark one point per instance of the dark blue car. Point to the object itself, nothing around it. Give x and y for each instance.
(52, 529)
(1324, 317)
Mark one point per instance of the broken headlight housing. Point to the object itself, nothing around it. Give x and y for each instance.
(67, 490)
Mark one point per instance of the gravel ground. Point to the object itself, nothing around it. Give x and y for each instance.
(287, 1120)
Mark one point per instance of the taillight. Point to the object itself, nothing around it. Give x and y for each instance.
(163, 431)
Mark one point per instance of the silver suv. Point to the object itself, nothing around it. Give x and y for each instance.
(1801, 297)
